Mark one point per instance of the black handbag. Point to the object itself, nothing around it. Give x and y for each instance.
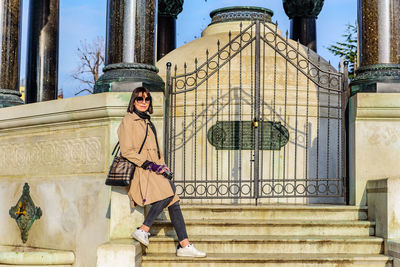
(122, 170)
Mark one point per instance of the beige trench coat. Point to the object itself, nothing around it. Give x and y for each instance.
(145, 184)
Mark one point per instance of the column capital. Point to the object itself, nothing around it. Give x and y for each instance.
(303, 8)
(170, 8)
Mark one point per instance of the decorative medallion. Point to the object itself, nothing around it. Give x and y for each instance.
(25, 213)
(170, 8)
(239, 135)
(303, 8)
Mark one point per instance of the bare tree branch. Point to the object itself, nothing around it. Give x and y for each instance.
(91, 61)
(83, 90)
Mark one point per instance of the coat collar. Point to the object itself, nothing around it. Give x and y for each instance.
(134, 116)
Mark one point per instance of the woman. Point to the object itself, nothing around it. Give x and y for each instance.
(148, 186)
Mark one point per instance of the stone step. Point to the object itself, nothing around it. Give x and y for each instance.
(267, 259)
(272, 244)
(273, 212)
(268, 227)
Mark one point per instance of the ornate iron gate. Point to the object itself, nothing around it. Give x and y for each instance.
(261, 117)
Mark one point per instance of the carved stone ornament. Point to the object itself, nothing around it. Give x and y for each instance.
(303, 8)
(378, 72)
(9, 98)
(25, 213)
(240, 13)
(170, 8)
(129, 75)
(368, 76)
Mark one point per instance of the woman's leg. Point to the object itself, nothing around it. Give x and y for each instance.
(142, 234)
(178, 222)
(155, 210)
(186, 249)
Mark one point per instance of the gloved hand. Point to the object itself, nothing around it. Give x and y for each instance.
(156, 168)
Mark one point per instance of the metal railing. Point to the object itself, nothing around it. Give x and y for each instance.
(261, 117)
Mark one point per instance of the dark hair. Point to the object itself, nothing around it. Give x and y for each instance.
(135, 94)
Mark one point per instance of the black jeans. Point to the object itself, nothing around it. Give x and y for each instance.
(175, 214)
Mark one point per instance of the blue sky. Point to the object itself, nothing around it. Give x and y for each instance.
(86, 19)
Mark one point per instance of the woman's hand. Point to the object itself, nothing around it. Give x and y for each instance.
(159, 169)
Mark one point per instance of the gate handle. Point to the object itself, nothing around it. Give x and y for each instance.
(255, 123)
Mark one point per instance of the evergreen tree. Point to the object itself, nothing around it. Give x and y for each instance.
(347, 48)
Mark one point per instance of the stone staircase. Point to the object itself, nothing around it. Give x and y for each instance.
(270, 235)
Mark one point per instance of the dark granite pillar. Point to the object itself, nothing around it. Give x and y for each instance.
(130, 47)
(304, 30)
(168, 11)
(379, 46)
(10, 53)
(303, 15)
(42, 55)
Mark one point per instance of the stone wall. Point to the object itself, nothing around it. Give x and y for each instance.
(62, 149)
(374, 141)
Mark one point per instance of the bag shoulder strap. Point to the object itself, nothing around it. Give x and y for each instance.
(153, 128)
(145, 137)
(117, 147)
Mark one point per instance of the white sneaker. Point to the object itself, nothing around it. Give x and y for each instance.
(190, 251)
(141, 236)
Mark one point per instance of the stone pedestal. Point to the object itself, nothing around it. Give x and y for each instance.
(303, 16)
(374, 141)
(130, 47)
(120, 253)
(379, 46)
(42, 55)
(10, 52)
(384, 209)
(62, 149)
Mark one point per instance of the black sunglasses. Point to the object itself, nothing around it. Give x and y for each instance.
(140, 99)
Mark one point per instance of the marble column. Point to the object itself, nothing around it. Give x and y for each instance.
(42, 51)
(10, 15)
(303, 15)
(130, 47)
(379, 47)
(168, 11)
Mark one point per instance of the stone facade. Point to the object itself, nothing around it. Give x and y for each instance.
(374, 141)
(62, 149)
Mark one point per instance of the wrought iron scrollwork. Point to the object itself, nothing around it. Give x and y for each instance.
(211, 140)
(190, 80)
(326, 79)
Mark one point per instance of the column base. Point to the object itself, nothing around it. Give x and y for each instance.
(9, 98)
(377, 78)
(124, 77)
